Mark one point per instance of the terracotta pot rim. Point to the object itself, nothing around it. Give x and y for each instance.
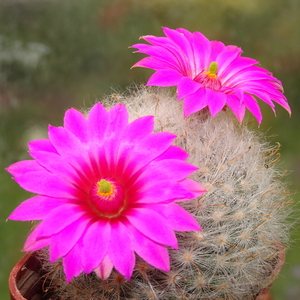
(24, 279)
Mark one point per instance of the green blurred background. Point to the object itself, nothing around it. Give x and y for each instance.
(55, 54)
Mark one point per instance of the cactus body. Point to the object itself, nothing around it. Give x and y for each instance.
(243, 214)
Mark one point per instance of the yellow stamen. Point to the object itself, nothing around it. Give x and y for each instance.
(212, 70)
(105, 188)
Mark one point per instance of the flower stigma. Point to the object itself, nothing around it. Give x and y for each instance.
(212, 70)
(105, 188)
(209, 78)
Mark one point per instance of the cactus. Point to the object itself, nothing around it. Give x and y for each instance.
(243, 214)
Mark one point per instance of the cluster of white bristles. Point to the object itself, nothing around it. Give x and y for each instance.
(243, 214)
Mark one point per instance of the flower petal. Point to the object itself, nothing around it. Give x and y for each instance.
(147, 150)
(167, 169)
(71, 233)
(161, 192)
(225, 58)
(41, 145)
(153, 63)
(216, 101)
(55, 164)
(22, 167)
(193, 187)
(186, 87)
(153, 253)
(75, 122)
(47, 184)
(95, 244)
(178, 218)
(35, 208)
(195, 102)
(105, 268)
(164, 78)
(173, 152)
(61, 217)
(237, 106)
(120, 250)
(152, 225)
(97, 122)
(253, 106)
(162, 53)
(35, 242)
(202, 52)
(184, 49)
(72, 262)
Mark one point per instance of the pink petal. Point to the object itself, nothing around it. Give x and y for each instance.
(216, 101)
(137, 130)
(164, 78)
(283, 102)
(72, 262)
(55, 164)
(35, 242)
(152, 225)
(178, 218)
(130, 144)
(202, 51)
(153, 253)
(216, 48)
(105, 268)
(153, 63)
(237, 106)
(22, 167)
(35, 208)
(174, 152)
(48, 184)
(195, 102)
(167, 169)
(186, 87)
(253, 106)
(72, 150)
(120, 250)
(163, 41)
(97, 122)
(59, 218)
(239, 64)
(71, 233)
(193, 187)
(225, 58)
(247, 75)
(118, 120)
(148, 149)
(160, 53)
(75, 122)
(161, 192)
(184, 47)
(188, 35)
(41, 145)
(95, 244)
(263, 96)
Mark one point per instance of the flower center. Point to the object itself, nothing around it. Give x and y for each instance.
(209, 77)
(107, 198)
(105, 188)
(212, 70)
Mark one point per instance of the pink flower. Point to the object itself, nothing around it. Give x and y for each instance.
(106, 188)
(208, 73)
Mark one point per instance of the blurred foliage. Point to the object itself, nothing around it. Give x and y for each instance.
(56, 54)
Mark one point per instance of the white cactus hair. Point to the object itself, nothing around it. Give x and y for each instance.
(243, 213)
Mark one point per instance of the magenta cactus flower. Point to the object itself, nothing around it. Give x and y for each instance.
(209, 74)
(106, 189)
